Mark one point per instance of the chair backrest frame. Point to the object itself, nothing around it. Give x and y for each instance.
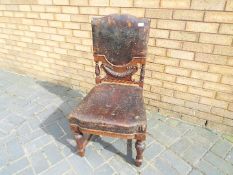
(120, 44)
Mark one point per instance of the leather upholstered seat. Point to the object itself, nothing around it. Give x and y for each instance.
(113, 108)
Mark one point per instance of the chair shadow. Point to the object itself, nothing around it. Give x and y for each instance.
(128, 157)
(71, 98)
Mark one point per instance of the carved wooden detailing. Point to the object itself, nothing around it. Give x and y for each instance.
(97, 72)
(128, 73)
(119, 74)
(142, 75)
(142, 129)
(140, 147)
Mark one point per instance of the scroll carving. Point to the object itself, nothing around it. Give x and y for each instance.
(128, 73)
(97, 72)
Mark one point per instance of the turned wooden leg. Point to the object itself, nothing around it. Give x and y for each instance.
(140, 146)
(80, 143)
(80, 139)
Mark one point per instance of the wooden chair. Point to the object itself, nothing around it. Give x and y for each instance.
(114, 107)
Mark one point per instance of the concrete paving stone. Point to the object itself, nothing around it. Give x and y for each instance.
(32, 136)
(6, 97)
(151, 122)
(181, 145)
(6, 127)
(203, 136)
(219, 163)
(2, 134)
(102, 142)
(221, 148)
(172, 122)
(153, 150)
(120, 146)
(169, 131)
(14, 149)
(176, 162)
(14, 166)
(126, 152)
(55, 130)
(38, 143)
(183, 128)
(55, 89)
(108, 153)
(74, 93)
(49, 100)
(70, 172)
(3, 112)
(68, 150)
(33, 109)
(38, 161)
(105, 169)
(195, 172)
(67, 140)
(164, 167)
(149, 139)
(20, 102)
(20, 91)
(64, 124)
(149, 170)
(58, 101)
(208, 168)
(15, 119)
(24, 129)
(80, 165)
(66, 109)
(58, 169)
(93, 157)
(194, 153)
(47, 112)
(129, 155)
(34, 123)
(8, 138)
(121, 167)
(52, 153)
(108, 139)
(50, 119)
(4, 158)
(26, 171)
(163, 136)
(154, 114)
(229, 157)
(73, 103)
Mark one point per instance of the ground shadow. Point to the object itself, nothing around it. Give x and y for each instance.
(63, 100)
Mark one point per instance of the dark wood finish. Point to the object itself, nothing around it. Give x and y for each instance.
(114, 107)
(140, 146)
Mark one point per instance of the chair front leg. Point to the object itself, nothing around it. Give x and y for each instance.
(79, 138)
(140, 146)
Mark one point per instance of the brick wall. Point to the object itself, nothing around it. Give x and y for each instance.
(189, 72)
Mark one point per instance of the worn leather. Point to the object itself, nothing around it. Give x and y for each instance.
(120, 37)
(112, 107)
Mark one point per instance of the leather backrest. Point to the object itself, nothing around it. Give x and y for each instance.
(120, 37)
